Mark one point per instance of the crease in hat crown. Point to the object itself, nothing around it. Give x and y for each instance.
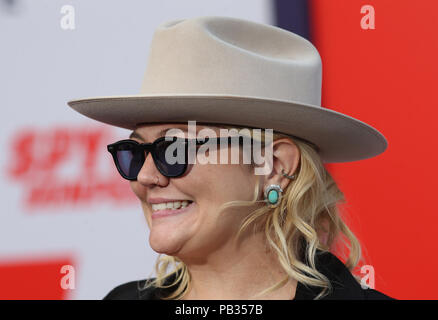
(232, 57)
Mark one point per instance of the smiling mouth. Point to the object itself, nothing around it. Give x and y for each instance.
(170, 208)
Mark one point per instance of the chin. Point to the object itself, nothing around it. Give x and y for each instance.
(164, 246)
(165, 250)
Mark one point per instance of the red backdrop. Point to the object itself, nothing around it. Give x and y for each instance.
(387, 77)
(37, 278)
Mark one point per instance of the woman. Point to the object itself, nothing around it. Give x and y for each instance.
(232, 230)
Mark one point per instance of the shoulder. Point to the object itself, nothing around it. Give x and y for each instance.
(133, 290)
(141, 290)
(344, 284)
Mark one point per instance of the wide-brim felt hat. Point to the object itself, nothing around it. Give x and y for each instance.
(223, 70)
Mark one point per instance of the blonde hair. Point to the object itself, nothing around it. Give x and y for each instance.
(307, 218)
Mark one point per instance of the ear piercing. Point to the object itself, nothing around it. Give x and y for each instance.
(292, 177)
(273, 192)
(272, 195)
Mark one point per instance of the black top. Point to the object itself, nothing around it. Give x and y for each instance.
(344, 285)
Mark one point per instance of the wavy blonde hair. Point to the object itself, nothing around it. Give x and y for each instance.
(308, 218)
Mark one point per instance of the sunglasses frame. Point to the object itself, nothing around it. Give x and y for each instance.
(152, 147)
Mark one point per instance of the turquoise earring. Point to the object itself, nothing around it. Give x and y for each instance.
(272, 195)
(273, 192)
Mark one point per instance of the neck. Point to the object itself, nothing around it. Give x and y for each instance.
(238, 272)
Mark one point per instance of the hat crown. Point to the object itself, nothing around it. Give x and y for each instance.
(232, 57)
(230, 71)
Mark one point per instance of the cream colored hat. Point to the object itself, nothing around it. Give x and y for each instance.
(230, 71)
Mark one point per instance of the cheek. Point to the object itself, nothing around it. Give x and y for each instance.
(146, 214)
(135, 188)
(141, 195)
(221, 183)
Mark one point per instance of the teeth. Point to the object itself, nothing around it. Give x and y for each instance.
(170, 205)
(173, 205)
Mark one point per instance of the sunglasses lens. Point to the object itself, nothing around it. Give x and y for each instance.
(178, 164)
(130, 159)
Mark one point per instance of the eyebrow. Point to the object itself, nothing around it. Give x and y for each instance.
(134, 134)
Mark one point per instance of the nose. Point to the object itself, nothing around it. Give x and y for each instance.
(148, 173)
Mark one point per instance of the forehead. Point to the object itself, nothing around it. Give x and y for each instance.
(153, 131)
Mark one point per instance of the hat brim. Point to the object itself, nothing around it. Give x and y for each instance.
(339, 137)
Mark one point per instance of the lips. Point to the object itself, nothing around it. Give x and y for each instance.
(171, 212)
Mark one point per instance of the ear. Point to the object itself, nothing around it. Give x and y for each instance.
(286, 156)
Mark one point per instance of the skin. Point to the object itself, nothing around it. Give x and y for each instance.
(203, 238)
